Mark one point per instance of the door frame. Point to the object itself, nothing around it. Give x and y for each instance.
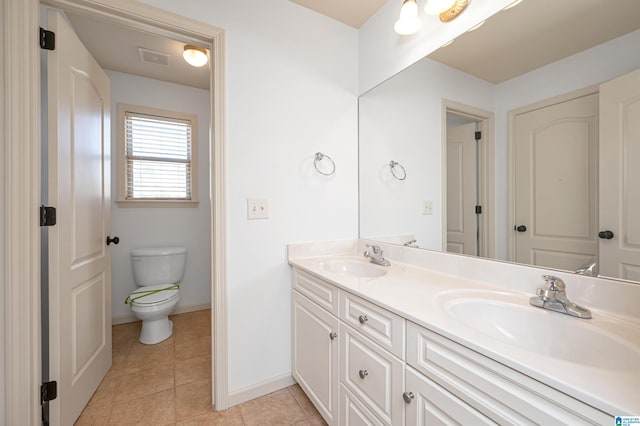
(511, 156)
(486, 174)
(22, 168)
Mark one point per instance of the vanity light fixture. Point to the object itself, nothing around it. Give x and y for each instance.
(408, 23)
(195, 56)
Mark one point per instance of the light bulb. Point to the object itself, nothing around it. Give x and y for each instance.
(408, 23)
(195, 56)
(436, 7)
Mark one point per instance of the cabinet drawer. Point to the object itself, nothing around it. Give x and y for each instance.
(383, 327)
(434, 405)
(499, 392)
(373, 375)
(353, 412)
(317, 290)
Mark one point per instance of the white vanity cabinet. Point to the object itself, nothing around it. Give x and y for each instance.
(361, 364)
(315, 343)
(352, 356)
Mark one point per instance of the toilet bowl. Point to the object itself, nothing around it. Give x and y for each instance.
(157, 272)
(154, 312)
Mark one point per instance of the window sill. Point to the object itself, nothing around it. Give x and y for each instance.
(157, 203)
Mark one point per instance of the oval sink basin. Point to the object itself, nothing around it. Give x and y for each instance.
(355, 268)
(546, 333)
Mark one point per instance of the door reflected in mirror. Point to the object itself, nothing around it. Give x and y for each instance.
(543, 181)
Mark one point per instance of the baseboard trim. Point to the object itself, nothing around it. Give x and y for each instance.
(260, 389)
(124, 319)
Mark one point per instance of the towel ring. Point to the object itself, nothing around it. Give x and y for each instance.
(318, 158)
(393, 165)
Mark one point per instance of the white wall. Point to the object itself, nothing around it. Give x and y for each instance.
(401, 120)
(383, 53)
(291, 88)
(153, 227)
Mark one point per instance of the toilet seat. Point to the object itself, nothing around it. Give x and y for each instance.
(156, 298)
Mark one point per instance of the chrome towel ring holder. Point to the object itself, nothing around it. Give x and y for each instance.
(401, 174)
(318, 158)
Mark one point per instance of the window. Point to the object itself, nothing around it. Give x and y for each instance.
(156, 156)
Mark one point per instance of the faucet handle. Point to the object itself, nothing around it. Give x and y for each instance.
(374, 248)
(554, 283)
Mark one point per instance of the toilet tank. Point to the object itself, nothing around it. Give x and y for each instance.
(160, 265)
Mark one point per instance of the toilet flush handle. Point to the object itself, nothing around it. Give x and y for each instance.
(114, 240)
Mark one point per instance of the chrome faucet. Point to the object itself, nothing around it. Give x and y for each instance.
(553, 297)
(376, 256)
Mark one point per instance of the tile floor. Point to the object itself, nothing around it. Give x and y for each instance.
(170, 384)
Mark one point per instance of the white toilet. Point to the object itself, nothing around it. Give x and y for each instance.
(157, 273)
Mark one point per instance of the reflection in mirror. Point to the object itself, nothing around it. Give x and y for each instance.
(553, 91)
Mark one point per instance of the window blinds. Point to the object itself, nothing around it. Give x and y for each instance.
(158, 156)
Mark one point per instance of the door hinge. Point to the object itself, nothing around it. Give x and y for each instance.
(48, 391)
(478, 209)
(47, 39)
(47, 216)
(478, 135)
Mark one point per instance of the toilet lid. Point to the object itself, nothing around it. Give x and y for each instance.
(157, 294)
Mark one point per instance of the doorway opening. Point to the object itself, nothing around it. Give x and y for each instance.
(468, 192)
(154, 22)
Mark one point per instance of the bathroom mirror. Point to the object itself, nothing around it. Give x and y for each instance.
(414, 175)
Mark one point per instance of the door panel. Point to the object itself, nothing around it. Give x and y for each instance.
(462, 229)
(619, 176)
(79, 187)
(556, 184)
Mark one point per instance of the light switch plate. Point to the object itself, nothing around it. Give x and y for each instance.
(257, 208)
(427, 207)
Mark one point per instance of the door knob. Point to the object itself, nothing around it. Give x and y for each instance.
(363, 373)
(408, 396)
(520, 228)
(114, 240)
(605, 235)
(333, 335)
(363, 319)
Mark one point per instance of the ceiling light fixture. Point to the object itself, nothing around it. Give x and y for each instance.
(195, 56)
(408, 23)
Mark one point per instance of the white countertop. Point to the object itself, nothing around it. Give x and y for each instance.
(593, 374)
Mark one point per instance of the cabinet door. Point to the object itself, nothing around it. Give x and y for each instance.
(431, 404)
(315, 355)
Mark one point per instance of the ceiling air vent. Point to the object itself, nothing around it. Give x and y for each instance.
(151, 56)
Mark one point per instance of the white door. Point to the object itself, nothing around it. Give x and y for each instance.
(556, 169)
(462, 190)
(79, 187)
(620, 177)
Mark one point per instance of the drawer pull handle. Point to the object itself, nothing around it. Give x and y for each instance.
(363, 319)
(363, 373)
(333, 335)
(408, 396)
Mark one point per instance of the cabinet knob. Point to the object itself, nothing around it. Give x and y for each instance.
(408, 396)
(363, 319)
(363, 373)
(333, 335)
